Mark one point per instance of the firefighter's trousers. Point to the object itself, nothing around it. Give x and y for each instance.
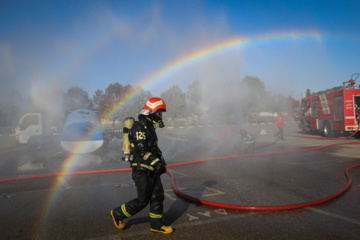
(149, 189)
(280, 132)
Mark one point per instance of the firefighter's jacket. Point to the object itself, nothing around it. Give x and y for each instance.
(144, 141)
(280, 121)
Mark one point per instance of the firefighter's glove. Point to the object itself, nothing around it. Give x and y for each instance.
(158, 153)
(159, 168)
(163, 161)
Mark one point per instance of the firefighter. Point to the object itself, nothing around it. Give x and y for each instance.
(245, 137)
(245, 141)
(147, 166)
(280, 124)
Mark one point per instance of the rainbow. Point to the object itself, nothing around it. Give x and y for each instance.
(56, 186)
(196, 56)
(169, 69)
(208, 51)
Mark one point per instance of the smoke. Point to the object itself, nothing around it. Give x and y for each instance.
(6, 62)
(47, 98)
(7, 69)
(104, 44)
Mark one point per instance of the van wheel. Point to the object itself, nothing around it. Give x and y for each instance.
(34, 144)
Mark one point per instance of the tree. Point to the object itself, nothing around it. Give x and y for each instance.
(77, 98)
(254, 83)
(194, 98)
(98, 100)
(254, 95)
(175, 101)
(119, 102)
(114, 94)
(308, 92)
(133, 103)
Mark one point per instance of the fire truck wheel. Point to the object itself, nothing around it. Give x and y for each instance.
(327, 130)
(301, 126)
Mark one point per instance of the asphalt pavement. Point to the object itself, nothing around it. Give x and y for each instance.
(38, 203)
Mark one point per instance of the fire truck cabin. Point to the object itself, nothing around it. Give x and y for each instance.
(330, 111)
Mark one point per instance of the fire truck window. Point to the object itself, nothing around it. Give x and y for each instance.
(302, 108)
(338, 109)
(308, 104)
(357, 108)
(29, 121)
(295, 110)
(314, 109)
(357, 101)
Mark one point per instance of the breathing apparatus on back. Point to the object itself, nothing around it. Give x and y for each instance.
(129, 121)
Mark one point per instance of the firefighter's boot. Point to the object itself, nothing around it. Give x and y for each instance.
(163, 229)
(118, 222)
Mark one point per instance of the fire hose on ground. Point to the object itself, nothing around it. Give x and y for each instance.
(217, 204)
(263, 208)
(269, 208)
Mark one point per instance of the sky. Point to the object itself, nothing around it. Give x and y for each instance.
(291, 46)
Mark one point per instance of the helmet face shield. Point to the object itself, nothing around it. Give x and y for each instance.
(145, 112)
(158, 114)
(157, 118)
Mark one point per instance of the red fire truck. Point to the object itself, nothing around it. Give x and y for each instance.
(330, 111)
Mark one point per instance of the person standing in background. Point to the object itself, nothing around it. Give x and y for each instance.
(280, 124)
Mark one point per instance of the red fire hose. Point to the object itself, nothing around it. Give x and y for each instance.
(269, 208)
(263, 208)
(223, 205)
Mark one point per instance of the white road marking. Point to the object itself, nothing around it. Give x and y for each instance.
(64, 182)
(192, 217)
(347, 219)
(206, 214)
